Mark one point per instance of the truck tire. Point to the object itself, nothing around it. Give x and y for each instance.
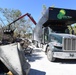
(50, 55)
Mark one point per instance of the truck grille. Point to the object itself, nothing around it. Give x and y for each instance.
(70, 44)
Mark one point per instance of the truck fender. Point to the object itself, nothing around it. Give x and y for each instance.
(45, 47)
(50, 46)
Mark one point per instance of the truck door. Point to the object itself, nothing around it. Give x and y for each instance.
(46, 32)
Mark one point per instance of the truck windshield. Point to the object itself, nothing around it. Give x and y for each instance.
(56, 38)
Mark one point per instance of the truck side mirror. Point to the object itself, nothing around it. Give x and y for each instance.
(72, 31)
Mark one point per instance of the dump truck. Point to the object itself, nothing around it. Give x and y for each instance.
(52, 33)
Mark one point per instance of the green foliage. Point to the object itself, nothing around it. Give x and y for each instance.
(75, 25)
(43, 9)
(74, 28)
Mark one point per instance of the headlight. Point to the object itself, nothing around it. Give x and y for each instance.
(57, 46)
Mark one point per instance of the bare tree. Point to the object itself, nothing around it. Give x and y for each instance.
(21, 26)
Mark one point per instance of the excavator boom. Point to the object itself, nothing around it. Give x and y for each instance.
(27, 14)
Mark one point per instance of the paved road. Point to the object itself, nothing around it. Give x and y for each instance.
(41, 66)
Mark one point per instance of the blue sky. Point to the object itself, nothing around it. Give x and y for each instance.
(34, 7)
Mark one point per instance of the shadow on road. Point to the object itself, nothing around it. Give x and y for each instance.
(36, 72)
(66, 61)
(38, 50)
(34, 56)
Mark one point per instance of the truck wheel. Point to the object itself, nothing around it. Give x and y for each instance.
(50, 55)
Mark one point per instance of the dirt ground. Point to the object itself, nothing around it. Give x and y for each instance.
(40, 65)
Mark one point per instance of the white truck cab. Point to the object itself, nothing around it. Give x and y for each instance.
(52, 32)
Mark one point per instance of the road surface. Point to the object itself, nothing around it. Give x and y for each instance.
(40, 65)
